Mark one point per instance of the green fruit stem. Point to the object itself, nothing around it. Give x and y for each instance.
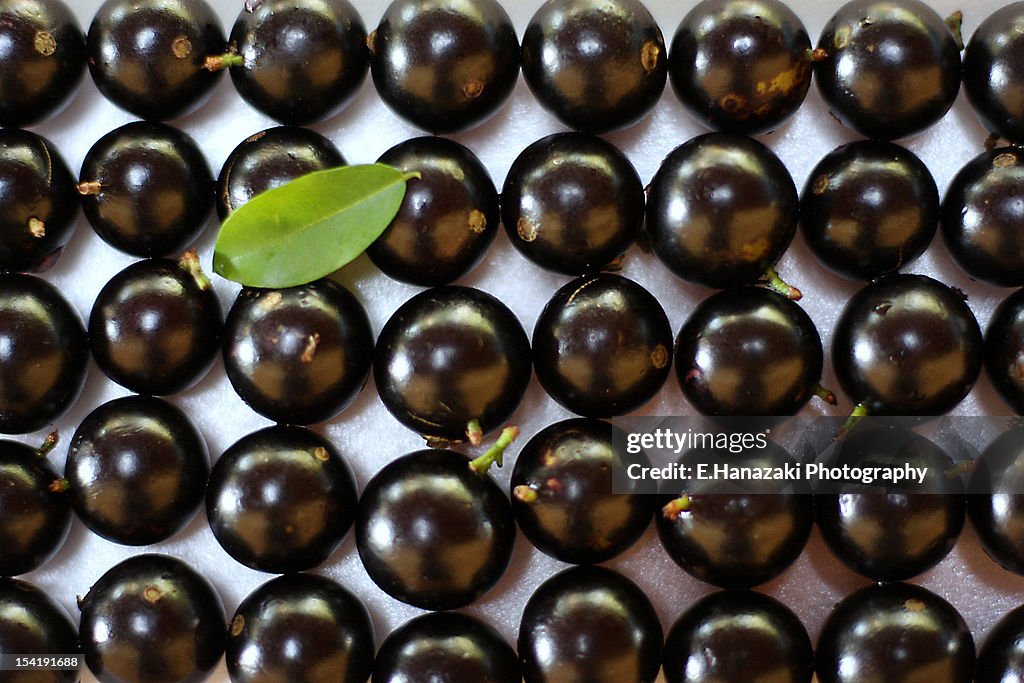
(49, 443)
(859, 412)
(780, 286)
(826, 395)
(189, 262)
(678, 506)
(474, 432)
(955, 23)
(495, 453)
(224, 61)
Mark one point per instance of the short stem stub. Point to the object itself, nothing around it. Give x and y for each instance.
(816, 55)
(224, 61)
(676, 507)
(89, 188)
(49, 443)
(189, 262)
(474, 432)
(525, 494)
(495, 453)
(955, 23)
(826, 395)
(860, 411)
(59, 486)
(780, 286)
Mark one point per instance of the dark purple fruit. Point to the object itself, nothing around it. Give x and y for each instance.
(602, 346)
(298, 355)
(741, 66)
(450, 356)
(735, 636)
(35, 513)
(300, 61)
(44, 59)
(444, 65)
(888, 68)
(1001, 658)
(44, 354)
(891, 532)
(137, 470)
(433, 533)
(996, 503)
(281, 499)
(868, 208)
(589, 624)
(152, 618)
(993, 70)
(596, 66)
(149, 57)
(155, 326)
(448, 647)
(146, 189)
(981, 217)
(729, 532)
(1004, 350)
(906, 345)
(894, 633)
(562, 493)
(270, 159)
(748, 351)
(300, 627)
(38, 201)
(448, 218)
(33, 625)
(721, 210)
(572, 203)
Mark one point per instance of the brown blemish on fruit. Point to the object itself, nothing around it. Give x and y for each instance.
(650, 54)
(733, 103)
(321, 454)
(270, 300)
(477, 221)
(44, 43)
(473, 88)
(1005, 159)
(237, 625)
(309, 353)
(527, 230)
(820, 184)
(181, 47)
(152, 594)
(915, 605)
(659, 357)
(36, 227)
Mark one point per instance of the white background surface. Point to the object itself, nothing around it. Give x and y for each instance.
(368, 436)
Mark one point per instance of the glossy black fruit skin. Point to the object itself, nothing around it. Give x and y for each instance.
(748, 351)
(891, 67)
(303, 60)
(38, 201)
(575, 517)
(721, 210)
(892, 533)
(894, 633)
(281, 499)
(449, 647)
(730, 635)
(137, 470)
(148, 56)
(589, 624)
(572, 203)
(432, 533)
(45, 60)
(735, 535)
(602, 346)
(996, 505)
(32, 624)
(427, 348)
(300, 627)
(152, 618)
(270, 159)
(868, 208)
(448, 218)
(444, 65)
(742, 67)
(907, 345)
(596, 66)
(44, 354)
(1001, 658)
(155, 327)
(36, 515)
(981, 217)
(1004, 350)
(155, 189)
(298, 355)
(992, 70)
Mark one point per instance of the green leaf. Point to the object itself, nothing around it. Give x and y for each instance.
(309, 227)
